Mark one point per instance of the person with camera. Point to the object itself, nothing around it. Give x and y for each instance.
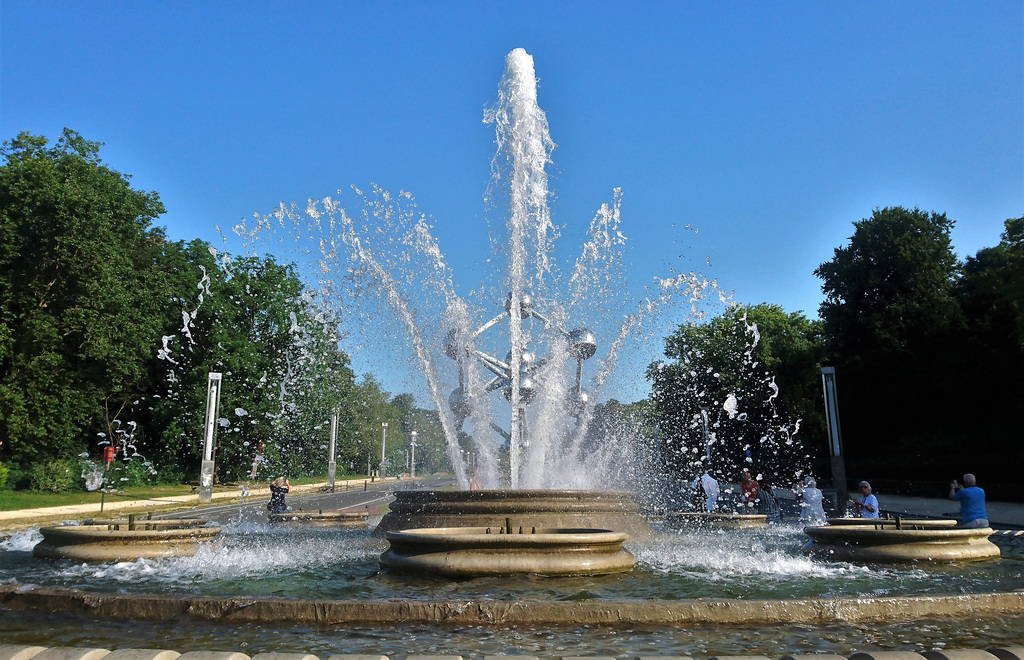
(972, 502)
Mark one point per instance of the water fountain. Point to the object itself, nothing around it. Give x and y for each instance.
(282, 587)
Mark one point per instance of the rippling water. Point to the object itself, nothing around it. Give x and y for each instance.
(253, 559)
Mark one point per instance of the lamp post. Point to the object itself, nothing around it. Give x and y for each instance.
(332, 467)
(206, 471)
(412, 456)
(707, 436)
(383, 446)
(835, 444)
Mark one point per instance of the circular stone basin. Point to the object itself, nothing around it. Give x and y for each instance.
(114, 541)
(347, 519)
(905, 523)
(677, 519)
(883, 543)
(570, 509)
(477, 551)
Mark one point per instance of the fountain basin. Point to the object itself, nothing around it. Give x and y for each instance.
(321, 518)
(883, 543)
(477, 551)
(678, 519)
(118, 542)
(905, 523)
(576, 509)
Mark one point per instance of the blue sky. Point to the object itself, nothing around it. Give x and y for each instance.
(770, 127)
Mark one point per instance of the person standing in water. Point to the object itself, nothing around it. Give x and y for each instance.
(278, 489)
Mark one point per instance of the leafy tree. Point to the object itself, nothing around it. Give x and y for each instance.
(894, 327)
(251, 320)
(986, 369)
(730, 374)
(79, 292)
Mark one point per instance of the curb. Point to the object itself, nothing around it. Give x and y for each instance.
(13, 652)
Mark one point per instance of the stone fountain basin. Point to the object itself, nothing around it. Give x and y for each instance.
(116, 541)
(480, 551)
(884, 543)
(906, 523)
(567, 509)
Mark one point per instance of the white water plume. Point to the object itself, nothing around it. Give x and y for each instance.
(384, 272)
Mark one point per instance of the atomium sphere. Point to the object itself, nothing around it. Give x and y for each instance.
(451, 344)
(527, 361)
(582, 344)
(578, 402)
(459, 403)
(525, 304)
(527, 390)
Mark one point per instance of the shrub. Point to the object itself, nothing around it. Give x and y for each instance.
(56, 476)
(4, 473)
(132, 473)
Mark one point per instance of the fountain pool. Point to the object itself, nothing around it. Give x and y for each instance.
(255, 560)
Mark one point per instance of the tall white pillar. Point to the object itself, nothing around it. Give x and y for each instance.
(332, 467)
(383, 448)
(412, 459)
(206, 471)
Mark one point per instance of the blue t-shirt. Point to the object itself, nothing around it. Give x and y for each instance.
(871, 501)
(972, 504)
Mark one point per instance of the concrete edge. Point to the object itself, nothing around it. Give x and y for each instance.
(489, 612)
(1010, 653)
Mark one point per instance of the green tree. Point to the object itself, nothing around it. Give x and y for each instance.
(733, 372)
(894, 326)
(890, 290)
(253, 321)
(79, 294)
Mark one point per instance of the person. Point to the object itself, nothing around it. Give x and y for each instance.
(749, 489)
(811, 510)
(474, 483)
(768, 505)
(868, 503)
(972, 502)
(278, 488)
(707, 485)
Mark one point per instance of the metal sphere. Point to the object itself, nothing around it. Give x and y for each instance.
(578, 402)
(525, 304)
(459, 403)
(582, 344)
(527, 390)
(527, 361)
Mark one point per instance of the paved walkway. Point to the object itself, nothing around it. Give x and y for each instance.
(23, 518)
(1000, 514)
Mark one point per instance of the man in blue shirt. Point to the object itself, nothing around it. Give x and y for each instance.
(972, 502)
(868, 504)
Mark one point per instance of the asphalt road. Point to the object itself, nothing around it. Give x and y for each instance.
(375, 496)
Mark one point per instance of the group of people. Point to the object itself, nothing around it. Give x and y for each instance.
(705, 493)
(753, 495)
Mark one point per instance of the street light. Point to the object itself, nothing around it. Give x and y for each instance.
(412, 458)
(383, 446)
(707, 436)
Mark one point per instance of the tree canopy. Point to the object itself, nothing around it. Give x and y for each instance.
(80, 289)
(731, 373)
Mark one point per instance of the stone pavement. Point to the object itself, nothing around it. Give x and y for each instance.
(24, 518)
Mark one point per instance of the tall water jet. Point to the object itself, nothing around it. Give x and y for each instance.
(549, 323)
